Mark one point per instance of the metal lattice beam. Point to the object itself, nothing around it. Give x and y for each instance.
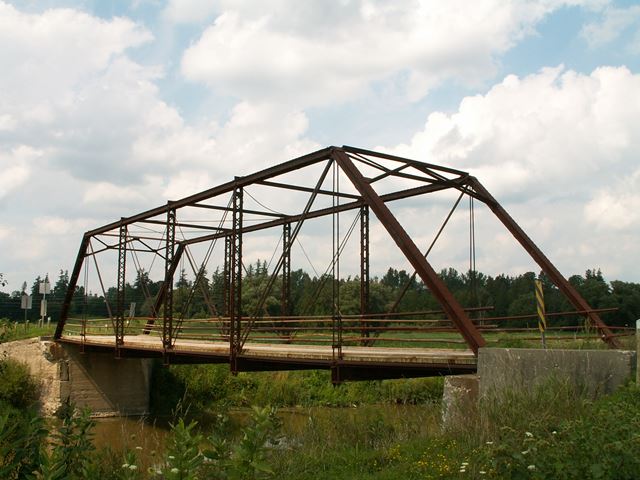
(120, 293)
(235, 287)
(285, 300)
(167, 286)
(364, 268)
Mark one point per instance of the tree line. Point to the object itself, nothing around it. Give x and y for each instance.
(205, 296)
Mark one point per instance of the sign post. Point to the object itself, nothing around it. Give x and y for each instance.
(45, 288)
(25, 304)
(542, 320)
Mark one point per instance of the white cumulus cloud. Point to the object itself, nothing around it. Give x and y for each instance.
(553, 129)
(556, 146)
(319, 53)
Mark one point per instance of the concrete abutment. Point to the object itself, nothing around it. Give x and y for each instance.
(591, 372)
(107, 386)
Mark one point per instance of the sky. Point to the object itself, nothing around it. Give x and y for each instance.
(111, 108)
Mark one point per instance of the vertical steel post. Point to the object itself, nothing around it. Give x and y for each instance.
(449, 304)
(364, 272)
(225, 327)
(226, 277)
(121, 285)
(276, 271)
(285, 298)
(235, 286)
(159, 300)
(169, 269)
(336, 318)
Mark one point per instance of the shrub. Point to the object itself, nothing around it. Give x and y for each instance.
(17, 387)
(581, 440)
(71, 453)
(22, 436)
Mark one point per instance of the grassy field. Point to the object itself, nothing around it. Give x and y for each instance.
(10, 332)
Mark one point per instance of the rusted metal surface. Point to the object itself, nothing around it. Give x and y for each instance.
(159, 300)
(235, 283)
(73, 281)
(121, 284)
(167, 284)
(337, 332)
(364, 267)
(541, 259)
(285, 295)
(428, 275)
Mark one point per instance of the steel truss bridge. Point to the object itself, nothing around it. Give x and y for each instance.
(321, 185)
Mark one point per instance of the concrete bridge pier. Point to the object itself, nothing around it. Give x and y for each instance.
(107, 386)
(591, 372)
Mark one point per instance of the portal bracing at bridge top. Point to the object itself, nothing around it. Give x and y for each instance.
(329, 195)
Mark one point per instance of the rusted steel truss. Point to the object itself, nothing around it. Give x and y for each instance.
(364, 269)
(368, 175)
(122, 271)
(235, 284)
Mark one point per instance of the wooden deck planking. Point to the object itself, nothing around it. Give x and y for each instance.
(289, 352)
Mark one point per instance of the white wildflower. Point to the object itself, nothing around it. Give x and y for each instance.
(531, 467)
(528, 434)
(125, 465)
(133, 467)
(175, 470)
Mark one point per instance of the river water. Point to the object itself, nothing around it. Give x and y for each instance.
(363, 424)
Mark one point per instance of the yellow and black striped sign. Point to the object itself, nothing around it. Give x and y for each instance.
(542, 319)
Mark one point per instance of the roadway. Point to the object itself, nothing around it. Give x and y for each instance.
(355, 362)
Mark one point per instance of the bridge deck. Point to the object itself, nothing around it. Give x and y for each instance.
(356, 362)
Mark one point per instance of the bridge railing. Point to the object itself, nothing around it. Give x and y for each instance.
(405, 329)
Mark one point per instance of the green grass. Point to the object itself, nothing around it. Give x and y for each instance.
(550, 433)
(9, 332)
(207, 387)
